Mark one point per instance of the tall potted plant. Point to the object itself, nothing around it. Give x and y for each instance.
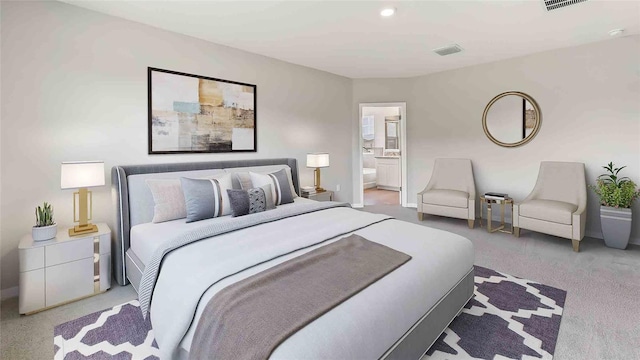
(616, 195)
(45, 228)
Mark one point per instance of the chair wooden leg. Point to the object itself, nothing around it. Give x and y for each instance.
(516, 231)
(576, 245)
(420, 216)
(471, 222)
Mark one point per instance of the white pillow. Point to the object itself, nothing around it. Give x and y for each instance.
(168, 198)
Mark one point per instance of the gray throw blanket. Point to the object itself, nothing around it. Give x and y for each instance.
(152, 270)
(249, 319)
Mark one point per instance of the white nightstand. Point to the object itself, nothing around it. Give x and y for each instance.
(321, 196)
(58, 271)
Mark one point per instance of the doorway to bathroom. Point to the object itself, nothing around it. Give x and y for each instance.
(382, 153)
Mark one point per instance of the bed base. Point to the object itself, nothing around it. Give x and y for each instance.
(417, 340)
(134, 268)
(424, 333)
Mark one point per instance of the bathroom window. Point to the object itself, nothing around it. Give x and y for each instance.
(368, 127)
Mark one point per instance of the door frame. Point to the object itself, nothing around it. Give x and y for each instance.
(358, 196)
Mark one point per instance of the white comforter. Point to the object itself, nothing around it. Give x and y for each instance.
(364, 326)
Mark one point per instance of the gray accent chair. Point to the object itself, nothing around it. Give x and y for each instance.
(451, 191)
(558, 203)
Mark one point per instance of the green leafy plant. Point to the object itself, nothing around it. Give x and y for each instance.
(614, 191)
(44, 215)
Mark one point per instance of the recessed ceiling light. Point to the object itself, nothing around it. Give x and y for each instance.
(616, 32)
(386, 12)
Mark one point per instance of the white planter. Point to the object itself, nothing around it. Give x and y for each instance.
(616, 226)
(44, 232)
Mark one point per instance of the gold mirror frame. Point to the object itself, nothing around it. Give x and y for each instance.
(523, 141)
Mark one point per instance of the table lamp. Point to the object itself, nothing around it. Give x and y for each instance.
(317, 160)
(82, 175)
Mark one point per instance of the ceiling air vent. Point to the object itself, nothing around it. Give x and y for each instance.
(448, 50)
(557, 4)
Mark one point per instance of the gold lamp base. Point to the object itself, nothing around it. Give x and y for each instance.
(83, 229)
(317, 181)
(85, 210)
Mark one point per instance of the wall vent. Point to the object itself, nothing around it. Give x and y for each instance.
(557, 4)
(448, 50)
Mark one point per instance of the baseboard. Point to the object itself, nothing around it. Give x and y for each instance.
(412, 205)
(593, 234)
(9, 293)
(357, 206)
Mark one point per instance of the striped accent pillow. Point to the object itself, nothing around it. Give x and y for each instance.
(280, 186)
(206, 198)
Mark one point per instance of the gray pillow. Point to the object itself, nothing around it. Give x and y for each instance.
(251, 201)
(206, 198)
(281, 190)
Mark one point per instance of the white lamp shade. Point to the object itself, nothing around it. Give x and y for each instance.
(318, 160)
(81, 174)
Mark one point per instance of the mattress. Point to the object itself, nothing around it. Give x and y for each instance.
(145, 238)
(390, 306)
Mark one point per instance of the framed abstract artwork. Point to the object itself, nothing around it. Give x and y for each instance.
(197, 114)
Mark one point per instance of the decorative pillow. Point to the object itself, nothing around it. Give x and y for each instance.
(280, 188)
(206, 198)
(168, 199)
(251, 201)
(244, 178)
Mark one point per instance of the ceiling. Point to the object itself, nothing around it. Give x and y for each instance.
(351, 39)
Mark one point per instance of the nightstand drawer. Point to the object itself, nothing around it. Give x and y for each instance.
(69, 251)
(31, 296)
(323, 196)
(31, 259)
(68, 281)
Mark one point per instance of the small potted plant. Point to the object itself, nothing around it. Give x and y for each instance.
(616, 195)
(45, 228)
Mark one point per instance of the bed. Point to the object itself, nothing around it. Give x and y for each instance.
(408, 308)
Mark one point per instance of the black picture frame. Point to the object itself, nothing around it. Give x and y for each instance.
(200, 119)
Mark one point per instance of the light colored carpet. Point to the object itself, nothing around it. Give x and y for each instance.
(601, 319)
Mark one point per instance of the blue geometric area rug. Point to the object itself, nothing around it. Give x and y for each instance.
(508, 318)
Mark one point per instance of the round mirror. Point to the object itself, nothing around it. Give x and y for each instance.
(511, 119)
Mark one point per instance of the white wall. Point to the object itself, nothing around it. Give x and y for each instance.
(590, 103)
(74, 87)
(379, 113)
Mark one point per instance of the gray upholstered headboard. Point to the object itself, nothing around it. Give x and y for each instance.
(120, 195)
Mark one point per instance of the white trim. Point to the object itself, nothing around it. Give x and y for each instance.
(593, 234)
(412, 205)
(9, 293)
(598, 235)
(358, 197)
(123, 259)
(357, 206)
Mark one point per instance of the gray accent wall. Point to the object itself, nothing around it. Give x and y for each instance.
(74, 87)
